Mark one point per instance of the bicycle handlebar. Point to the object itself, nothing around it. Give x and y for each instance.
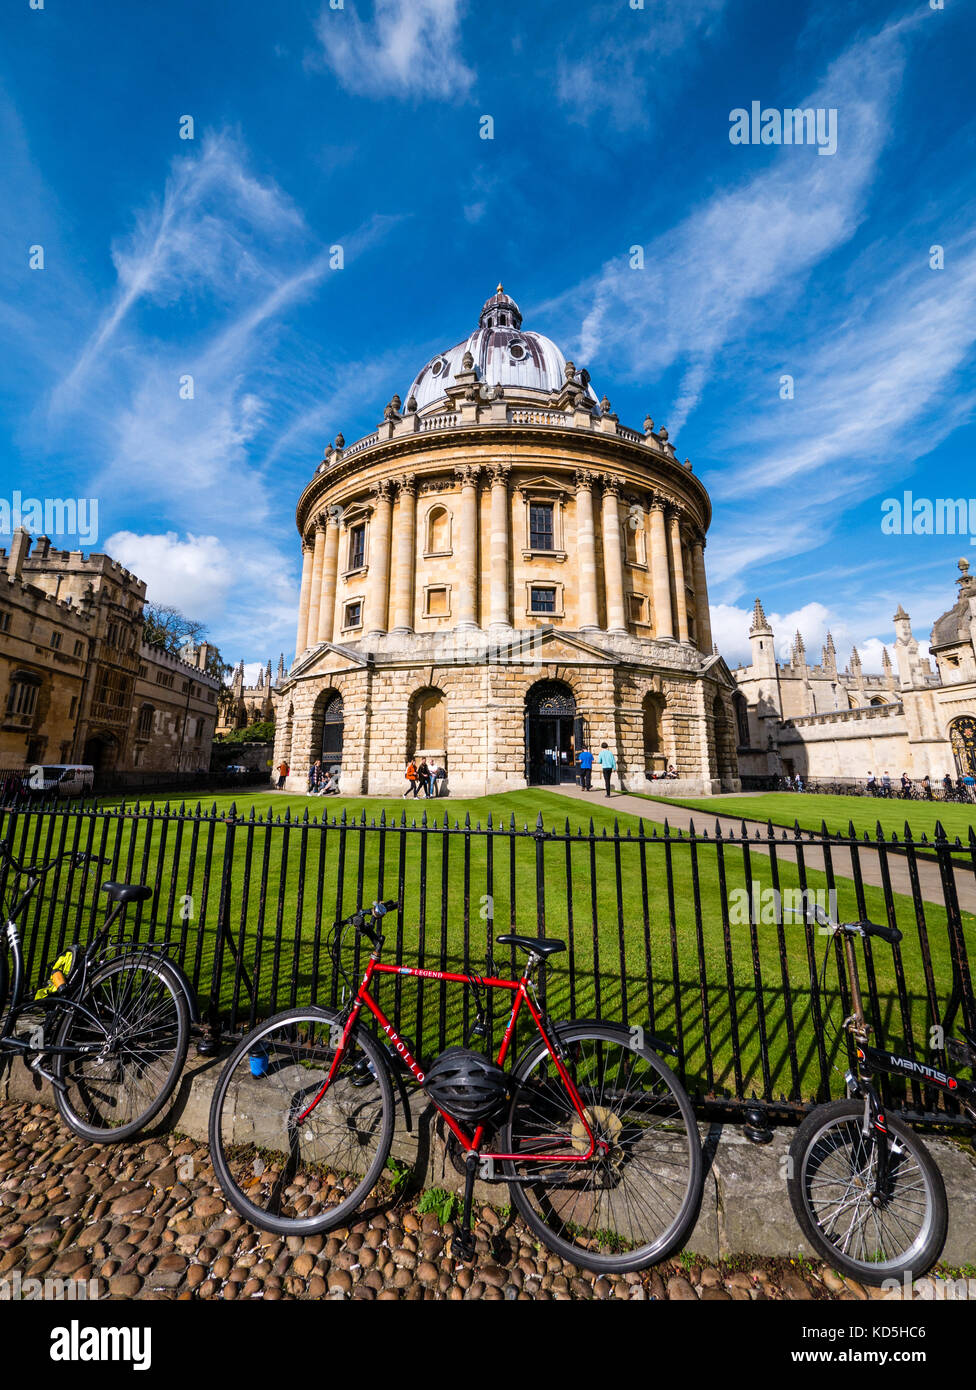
(79, 856)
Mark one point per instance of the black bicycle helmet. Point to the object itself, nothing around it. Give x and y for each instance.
(467, 1085)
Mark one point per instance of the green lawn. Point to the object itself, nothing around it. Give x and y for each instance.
(690, 965)
(866, 813)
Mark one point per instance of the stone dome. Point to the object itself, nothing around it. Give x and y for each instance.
(504, 355)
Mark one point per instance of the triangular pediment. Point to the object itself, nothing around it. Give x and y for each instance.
(326, 659)
(546, 644)
(542, 482)
(716, 668)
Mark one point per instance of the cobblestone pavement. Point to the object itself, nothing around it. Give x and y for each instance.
(146, 1220)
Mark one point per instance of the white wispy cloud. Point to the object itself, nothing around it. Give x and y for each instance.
(748, 249)
(634, 62)
(407, 49)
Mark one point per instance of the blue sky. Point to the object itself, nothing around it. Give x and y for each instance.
(360, 127)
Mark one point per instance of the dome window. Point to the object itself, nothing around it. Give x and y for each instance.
(516, 351)
(438, 366)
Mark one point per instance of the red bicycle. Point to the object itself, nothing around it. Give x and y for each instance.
(592, 1132)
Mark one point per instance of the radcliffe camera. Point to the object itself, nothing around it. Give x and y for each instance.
(487, 674)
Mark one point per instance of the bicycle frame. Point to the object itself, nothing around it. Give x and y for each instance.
(523, 995)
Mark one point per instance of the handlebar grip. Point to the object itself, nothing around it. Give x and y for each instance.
(890, 934)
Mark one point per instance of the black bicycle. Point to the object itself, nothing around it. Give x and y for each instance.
(109, 1028)
(863, 1186)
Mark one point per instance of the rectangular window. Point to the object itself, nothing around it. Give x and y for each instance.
(79, 647)
(73, 707)
(543, 599)
(540, 526)
(436, 603)
(354, 615)
(55, 640)
(357, 547)
(637, 608)
(4, 621)
(23, 698)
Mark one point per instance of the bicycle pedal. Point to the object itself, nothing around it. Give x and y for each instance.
(462, 1246)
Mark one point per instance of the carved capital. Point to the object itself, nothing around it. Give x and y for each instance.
(610, 485)
(407, 486)
(468, 474)
(499, 474)
(382, 490)
(584, 480)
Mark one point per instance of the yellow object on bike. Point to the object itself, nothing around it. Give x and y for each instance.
(60, 974)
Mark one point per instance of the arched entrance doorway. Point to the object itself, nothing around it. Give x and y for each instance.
(553, 732)
(962, 736)
(331, 713)
(101, 752)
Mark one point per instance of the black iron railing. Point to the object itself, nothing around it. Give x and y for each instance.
(710, 940)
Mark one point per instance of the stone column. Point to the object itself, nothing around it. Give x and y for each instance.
(467, 563)
(678, 570)
(613, 565)
(330, 577)
(315, 598)
(301, 637)
(589, 613)
(378, 577)
(703, 623)
(498, 552)
(660, 577)
(405, 577)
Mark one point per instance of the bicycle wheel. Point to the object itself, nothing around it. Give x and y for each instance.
(636, 1201)
(295, 1175)
(135, 1008)
(832, 1178)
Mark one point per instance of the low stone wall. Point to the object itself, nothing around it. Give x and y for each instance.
(745, 1206)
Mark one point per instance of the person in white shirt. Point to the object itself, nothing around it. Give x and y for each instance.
(608, 763)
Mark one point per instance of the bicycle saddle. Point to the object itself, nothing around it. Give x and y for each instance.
(127, 892)
(535, 944)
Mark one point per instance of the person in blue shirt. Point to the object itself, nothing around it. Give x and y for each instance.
(608, 763)
(585, 760)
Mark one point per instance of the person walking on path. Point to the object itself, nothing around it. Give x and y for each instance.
(423, 777)
(585, 761)
(412, 783)
(927, 787)
(315, 777)
(282, 774)
(608, 763)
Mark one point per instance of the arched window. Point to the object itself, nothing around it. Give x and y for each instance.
(428, 722)
(438, 531)
(962, 736)
(22, 700)
(328, 726)
(741, 718)
(653, 721)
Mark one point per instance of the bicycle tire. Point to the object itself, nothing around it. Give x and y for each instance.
(823, 1154)
(143, 1064)
(601, 1220)
(254, 1142)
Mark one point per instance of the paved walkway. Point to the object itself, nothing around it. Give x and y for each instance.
(681, 818)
